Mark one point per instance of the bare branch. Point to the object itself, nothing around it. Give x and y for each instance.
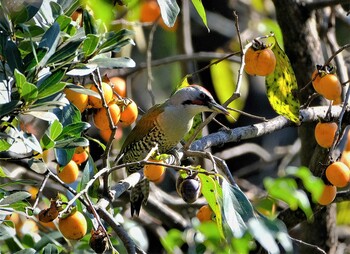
(313, 5)
(259, 129)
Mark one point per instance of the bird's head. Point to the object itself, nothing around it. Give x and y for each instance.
(197, 99)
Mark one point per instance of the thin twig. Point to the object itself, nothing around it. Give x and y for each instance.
(312, 247)
(199, 56)
(149, 60)
(41, 189)
(85, 190)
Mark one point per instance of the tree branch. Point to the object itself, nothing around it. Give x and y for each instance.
(256, 130)
(313, 5)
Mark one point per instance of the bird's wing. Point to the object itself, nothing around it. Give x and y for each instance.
(143, 126)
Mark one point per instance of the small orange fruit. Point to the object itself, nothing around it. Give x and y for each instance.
(325, 133)
(78, 99)
(153, 172)
(68, 173)
(101, 119)
(150, 11)
(118, 85)
(205, 213)
(129, 113)
(338, 174)
(73, 227)
(328, 195)
(107, 94)
(261, 62)
(81, 154)
(327, 85)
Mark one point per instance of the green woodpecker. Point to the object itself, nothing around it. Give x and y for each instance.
(165, 125)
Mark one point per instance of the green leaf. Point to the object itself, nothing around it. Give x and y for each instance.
(88, 22)
(46, 142)
(65, 52)
(29, 92)
(169, 10)
(4, 145)
(286, 189)
(63, 21)
(82, 71)
(89, 171)
(31, 61)
(31, 141)
(29, 31)
(224, 77)
(49, 42)
(172, 240)
(90, 44)
(7, 108)
(312, 184)
(282, 87)
(50, 249)
(278, 230)
(2, 173)
(64, 155)
(15, 197)
(67, 115)
(71, 143)
(51, 84)
(19, 206)
(83, 90)
(236, 209)
(212, 192)
(13, 56)
(55, 129)
(56, 10)
(6, 232)
(112, 63)
(73, 130)
(263, 235)
(198, 5)
(20, 79)
(112, 40)
(50, 90)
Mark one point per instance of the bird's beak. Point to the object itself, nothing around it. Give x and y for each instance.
(216, 107)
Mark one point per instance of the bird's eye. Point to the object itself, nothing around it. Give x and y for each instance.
(202, 96)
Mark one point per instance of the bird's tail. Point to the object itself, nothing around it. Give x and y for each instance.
(139, 195)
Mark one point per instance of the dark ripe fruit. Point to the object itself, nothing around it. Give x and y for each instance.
(48, 215)
(98, 241)
(190, 189)
(51, 213)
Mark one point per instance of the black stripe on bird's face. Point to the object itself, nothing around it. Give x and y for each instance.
(202, 100)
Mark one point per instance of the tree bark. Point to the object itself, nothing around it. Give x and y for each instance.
(303, 47)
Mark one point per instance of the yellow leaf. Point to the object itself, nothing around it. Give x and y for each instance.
(282, 87)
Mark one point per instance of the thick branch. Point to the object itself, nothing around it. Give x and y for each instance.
(256, 130)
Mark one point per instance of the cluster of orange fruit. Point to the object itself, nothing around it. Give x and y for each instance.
(120, 109)
(337, 174)
(259, 60)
